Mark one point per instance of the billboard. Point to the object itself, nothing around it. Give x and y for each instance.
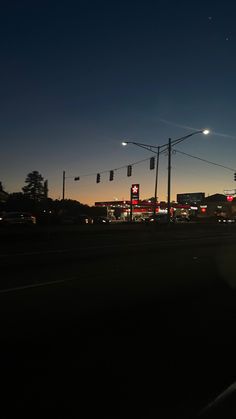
(190, 198)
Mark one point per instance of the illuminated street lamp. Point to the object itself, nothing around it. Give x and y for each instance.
(169, 148)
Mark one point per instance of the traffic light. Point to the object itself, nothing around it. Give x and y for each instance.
(111, 175)
(152, 163)
(76, 178)
(129, 170)
(234, 175)
(98, 177)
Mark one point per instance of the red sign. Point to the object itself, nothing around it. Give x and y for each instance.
(135, 194)
(135, 189)
(230, 198)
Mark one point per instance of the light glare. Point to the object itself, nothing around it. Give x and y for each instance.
(206, 131)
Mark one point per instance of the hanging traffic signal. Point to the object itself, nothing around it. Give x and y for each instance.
(98, 178)
(152, 163)
(76, 178)
(234, 175)
(111, 175)
(129, 170)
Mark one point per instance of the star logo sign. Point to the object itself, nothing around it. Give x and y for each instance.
(135, 189)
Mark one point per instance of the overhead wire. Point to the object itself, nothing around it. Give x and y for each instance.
(148, 158)
(205, 161)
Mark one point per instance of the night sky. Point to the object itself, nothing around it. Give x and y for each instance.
(78, 77)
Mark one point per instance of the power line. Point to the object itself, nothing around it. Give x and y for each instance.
(148, 158)
(205, 161)
(116, 169)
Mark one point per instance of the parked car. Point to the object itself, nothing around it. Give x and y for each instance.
(101, 220)
(18, 218)
(158, 219)
(181, 219)
(84, 219)
(75, 219)
(226, 220)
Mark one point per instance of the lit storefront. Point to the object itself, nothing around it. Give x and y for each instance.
(120, 210)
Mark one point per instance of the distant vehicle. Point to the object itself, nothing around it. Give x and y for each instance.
(226, 220)
(101, 220)
(18, 218)
(83, 219)
(181, 219)
(75, 219)
(158, 219)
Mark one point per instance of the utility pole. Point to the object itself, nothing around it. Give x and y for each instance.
(169, 180)
(63, 184)
(156, 180)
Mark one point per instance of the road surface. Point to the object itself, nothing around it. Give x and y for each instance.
(120, 322)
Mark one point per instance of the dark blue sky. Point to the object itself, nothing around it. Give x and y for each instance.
(76, 77)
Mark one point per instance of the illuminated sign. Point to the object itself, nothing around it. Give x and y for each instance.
(135, 194)
(230, 198)
(190, 198)
(229, 191)
(135, 189)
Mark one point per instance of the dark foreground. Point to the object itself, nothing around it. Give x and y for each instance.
(117, 323)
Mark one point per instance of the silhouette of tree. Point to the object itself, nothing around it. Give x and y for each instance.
(35, 188)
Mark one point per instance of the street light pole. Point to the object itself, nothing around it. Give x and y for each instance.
(166, 147)
(169, 180)
(169, 148)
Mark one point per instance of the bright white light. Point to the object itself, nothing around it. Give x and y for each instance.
(206, 131)
(124, 143)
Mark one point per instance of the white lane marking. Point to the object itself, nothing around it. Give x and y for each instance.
(39, 284)
(61, 281)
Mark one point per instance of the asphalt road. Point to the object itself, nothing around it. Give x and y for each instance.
(123, 322)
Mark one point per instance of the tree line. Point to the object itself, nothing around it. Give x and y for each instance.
(34, 199)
